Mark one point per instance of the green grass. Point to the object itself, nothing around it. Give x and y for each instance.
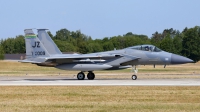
(100, 99)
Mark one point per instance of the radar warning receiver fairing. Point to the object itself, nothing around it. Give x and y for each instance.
(42, 50)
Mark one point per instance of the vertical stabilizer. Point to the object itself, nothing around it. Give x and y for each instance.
(34, 47)
(48, 42)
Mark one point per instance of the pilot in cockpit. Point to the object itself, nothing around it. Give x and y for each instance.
(146, 48)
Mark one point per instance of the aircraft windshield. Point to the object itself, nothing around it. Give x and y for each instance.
(147, 48)
(157, 49)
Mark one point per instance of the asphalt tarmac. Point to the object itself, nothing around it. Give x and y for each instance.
(63, 81)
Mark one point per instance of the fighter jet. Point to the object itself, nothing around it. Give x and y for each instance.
(42, 51)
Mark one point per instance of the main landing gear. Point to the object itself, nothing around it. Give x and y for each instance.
(91, 75)
(81, 75)
(135, 70)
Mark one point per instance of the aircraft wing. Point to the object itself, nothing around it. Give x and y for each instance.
(38, 60)
(129, 60)
(84, 56)
(78, 58)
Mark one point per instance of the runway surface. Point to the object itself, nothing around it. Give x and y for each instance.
(62, 81)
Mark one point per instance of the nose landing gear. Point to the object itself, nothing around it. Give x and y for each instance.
(135, 70)
(134, 77)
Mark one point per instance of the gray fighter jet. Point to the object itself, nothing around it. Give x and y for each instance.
(42, 50)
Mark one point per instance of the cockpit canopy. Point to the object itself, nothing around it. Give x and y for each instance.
(146, 48)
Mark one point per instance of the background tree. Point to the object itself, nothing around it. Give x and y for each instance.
(1, 51)
(167, 44)
(186, 43)
(191, 43)
(62, 34)
(156, 39)
(177, 43)
(19, 44)
(8, 46)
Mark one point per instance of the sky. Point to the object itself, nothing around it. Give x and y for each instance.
(98, 18)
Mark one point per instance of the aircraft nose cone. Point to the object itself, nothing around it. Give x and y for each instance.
(176, 59)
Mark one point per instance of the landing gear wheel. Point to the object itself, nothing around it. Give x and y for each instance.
(90, 76)
(135, 70)
(134, 77)
(80, 76)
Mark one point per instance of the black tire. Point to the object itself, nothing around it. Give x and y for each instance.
(134, 77)
(80, 76)
(90, 76)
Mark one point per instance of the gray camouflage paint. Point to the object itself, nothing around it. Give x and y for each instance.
(48, 42)
(116, 59)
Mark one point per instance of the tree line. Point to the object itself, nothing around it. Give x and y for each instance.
(186, 43)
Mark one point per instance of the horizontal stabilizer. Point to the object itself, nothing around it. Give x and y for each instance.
(28, 61)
